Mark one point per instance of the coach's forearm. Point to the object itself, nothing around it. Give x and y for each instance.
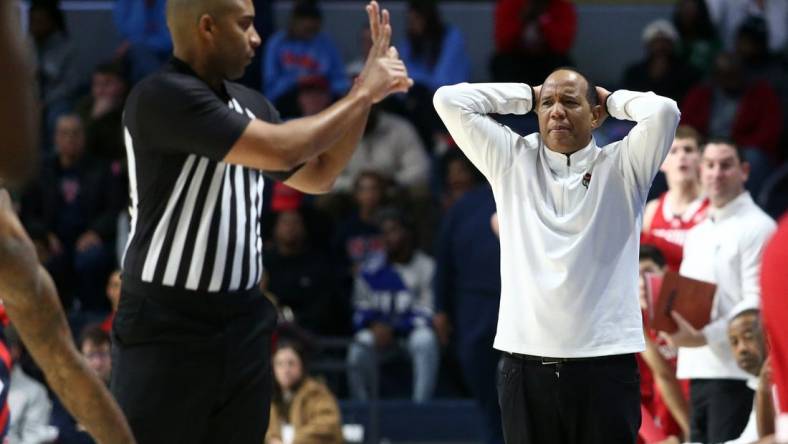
(17, 108)
(39, 319)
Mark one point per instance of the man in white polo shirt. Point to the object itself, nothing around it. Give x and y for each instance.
(724, 249)
(569, 215)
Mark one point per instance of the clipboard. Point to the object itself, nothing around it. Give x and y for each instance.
(690, 298)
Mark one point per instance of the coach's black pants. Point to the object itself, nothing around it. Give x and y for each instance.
(193, 368)
(595, 401)
(720, 409)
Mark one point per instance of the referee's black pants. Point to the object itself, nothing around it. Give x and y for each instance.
(594, 401)
(193, 368)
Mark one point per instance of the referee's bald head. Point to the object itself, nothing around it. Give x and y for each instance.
(216, 37)
(183, 16)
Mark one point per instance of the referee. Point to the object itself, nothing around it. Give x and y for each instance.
(191, 336)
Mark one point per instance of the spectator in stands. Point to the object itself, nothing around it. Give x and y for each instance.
(94, 345)
(303, 278)
(459, 177)
(56, 68)
(364, 44)
(102, 112)
(358, 236)
(732, 106)
(28, 402)
(467, 292)
(698, 41)
(663, 402)
(728, 15)
(393, 302)
(313, 95)
(434, 51)
(724, 249)
(146, 41)
(435, 54)
(74, 200)
(774, 281)
(113, 296)
(752, 47)
(299, 51)
(392, 147)
(748, 344)
(662, 71)
(667, 218)
(532, 38)
(303, 409)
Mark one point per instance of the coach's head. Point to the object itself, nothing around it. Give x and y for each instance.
(568, 107)
(216, 37)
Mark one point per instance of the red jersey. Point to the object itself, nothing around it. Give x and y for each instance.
(5, 375)
(668, 230)
(774, 289)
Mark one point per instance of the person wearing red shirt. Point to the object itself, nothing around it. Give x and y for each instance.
(774, 289)
(732, 106)
(532, 38)
(663, 398)
(667, 218)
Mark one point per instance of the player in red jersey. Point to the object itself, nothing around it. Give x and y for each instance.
(667, 218)
(663, 399)
(774, 289)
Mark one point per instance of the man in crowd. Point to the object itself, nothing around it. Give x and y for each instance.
(748, 344)
(393, 302)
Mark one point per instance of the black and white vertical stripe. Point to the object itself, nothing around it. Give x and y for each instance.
(209, 236)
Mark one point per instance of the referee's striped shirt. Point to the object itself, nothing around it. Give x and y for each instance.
(195, 220)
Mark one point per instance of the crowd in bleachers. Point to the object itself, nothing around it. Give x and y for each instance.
(401, 259)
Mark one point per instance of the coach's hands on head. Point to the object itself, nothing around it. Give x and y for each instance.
(384, 73)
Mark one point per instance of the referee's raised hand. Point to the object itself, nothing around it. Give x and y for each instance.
(384, 73)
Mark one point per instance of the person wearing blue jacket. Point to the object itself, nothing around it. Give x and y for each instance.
(146, 40)
(300, 51)
(467, 293)
(434, 51)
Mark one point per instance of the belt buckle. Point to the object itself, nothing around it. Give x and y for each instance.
(550, 361)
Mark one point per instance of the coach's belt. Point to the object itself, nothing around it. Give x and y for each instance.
(551, 361)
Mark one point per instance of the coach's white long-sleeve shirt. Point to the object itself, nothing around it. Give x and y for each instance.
(569, 225)
(725, 249)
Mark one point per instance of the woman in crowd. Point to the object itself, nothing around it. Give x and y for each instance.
(303, 410)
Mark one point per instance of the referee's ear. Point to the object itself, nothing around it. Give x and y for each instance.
(206, 26)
